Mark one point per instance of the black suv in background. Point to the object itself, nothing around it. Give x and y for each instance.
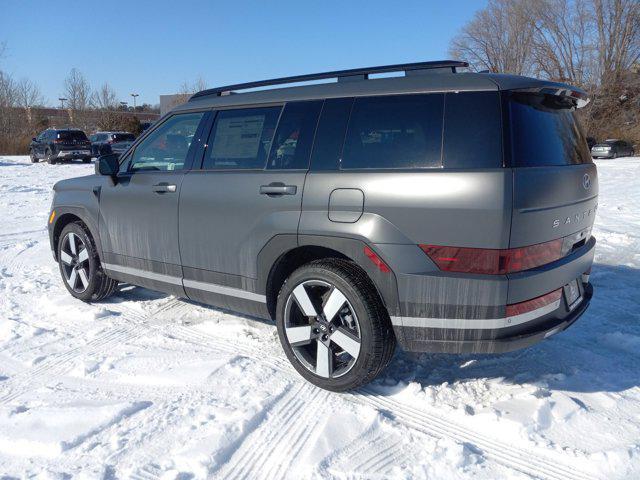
(103, 143)
(56, 145)
(612, 149)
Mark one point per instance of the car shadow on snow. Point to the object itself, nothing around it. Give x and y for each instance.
(599, 353)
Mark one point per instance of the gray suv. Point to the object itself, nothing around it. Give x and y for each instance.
(443, 211)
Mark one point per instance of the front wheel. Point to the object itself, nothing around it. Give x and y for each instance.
(80, 266)
(33, 157)
(333, 326)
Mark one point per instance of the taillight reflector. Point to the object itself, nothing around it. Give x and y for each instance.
(378, 262)
(493, 262)
(533, 304)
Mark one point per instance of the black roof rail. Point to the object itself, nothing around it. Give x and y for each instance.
(354, 73)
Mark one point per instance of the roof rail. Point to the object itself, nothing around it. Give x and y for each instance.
(341, 75)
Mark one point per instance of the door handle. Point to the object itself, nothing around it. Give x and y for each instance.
(278, 188)
(164, 188)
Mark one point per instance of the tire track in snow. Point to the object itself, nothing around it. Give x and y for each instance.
(287, 428)
(59, 364)
(530, 461)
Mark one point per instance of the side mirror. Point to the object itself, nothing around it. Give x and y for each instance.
(33, 139)
(108, 165)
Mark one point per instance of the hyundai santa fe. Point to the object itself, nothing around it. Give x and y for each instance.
(58, 145)
(443, 211)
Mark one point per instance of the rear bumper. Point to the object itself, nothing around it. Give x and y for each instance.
(84, 153)
(498, 340)
(459, 313)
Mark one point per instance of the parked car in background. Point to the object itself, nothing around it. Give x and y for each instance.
(56, 145)
(356, 214)
(612, 148)
(103, 143)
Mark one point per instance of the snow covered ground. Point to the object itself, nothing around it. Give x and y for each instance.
(149, 386)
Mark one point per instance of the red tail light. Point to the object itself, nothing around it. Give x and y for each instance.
(493, 262)
(533, 304)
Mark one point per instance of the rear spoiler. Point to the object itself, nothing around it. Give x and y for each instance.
(576, 95)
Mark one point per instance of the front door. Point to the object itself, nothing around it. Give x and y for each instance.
(139, 212)
(248, 190)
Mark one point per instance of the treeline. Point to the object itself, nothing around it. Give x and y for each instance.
(594, 44)
(23, 112)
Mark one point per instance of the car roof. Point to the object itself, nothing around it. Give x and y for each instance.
(429, 82)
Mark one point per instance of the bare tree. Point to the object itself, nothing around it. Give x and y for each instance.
(190, 88)
(77, 90)
(499, 38)
(7, 90)
(563, 44)
(105, 98)
(28, 94)
(618, 27)
(187, 89)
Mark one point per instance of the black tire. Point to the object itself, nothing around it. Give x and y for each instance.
(49, 156)
(376, 339)
(99, 286)
(86, 160)
(33, 157)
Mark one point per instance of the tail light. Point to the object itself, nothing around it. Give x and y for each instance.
(533, 304)
(493, 262)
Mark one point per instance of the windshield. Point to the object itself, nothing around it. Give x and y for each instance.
(545, 131)
(71, 135)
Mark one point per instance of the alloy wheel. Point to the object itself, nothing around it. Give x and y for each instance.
(322, 328)
(74, 259)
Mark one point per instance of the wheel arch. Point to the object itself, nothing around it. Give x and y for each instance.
(285, 253)
(66, 215)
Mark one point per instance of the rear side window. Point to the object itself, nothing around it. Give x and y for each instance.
(332, 127)
(241, 139)
(400, 131)
(544, 131)
(294, 137)
(472, 130)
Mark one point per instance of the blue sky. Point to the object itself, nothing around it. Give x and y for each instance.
(152, 47)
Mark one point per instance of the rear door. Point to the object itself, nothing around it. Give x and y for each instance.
(248, 190)
(139, 212)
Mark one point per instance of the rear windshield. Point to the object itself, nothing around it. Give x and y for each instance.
(71, 135)
(544, 131)
(123, 137)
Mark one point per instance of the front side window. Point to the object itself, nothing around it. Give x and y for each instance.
(400, 131)
(167, 147)
(294, 137)
(241, 139)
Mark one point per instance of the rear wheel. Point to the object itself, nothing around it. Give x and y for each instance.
(333, 326)
(86, 160)
(49, 156)
(80, 265)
